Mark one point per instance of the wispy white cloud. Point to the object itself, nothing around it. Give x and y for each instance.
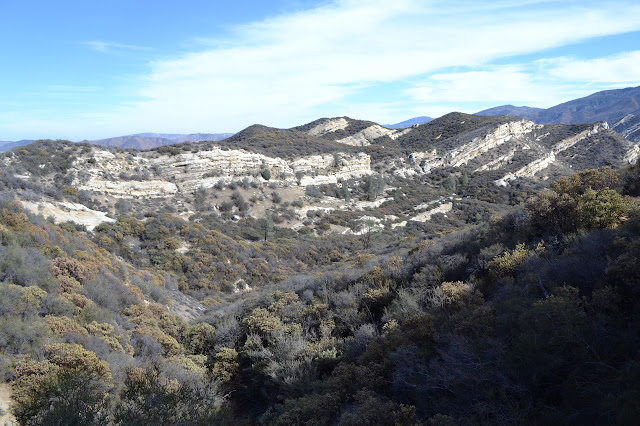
(542, 83)
(278, 70)
(620, 68)
(106, 47)
(295, 67)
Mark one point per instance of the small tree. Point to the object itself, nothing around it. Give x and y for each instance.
(266, 174)
(451, 183)
(373, 186)
(268, 225)
(345, 194)
(337, 160)
(200, 198)
(276, 198)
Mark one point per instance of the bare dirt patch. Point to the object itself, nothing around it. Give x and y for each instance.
(5, 400)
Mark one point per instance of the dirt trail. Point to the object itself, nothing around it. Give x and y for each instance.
(5, 397)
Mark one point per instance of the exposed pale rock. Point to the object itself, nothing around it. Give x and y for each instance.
(68, 212)
(423, 217)
(131, 189)
(632, 129)
(505, 132)
(430, 203)
(632, 155)
(361, 205)
(311, 163)
(539, 138)
(397, 133)
(365, 136)
(498, 162)
(569, 142)
(188, 170)
(461, 155)
(529, 170)
(325, 171)
(184, 173)
(427, 155)
(103, 155)
(304, 210)
(405, 172)
(624, 120)
(329, 126)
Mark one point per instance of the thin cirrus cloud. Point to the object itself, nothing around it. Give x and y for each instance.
(377, 60)
(623, 67)
(286, 68)
(107, 47)
(542, 83)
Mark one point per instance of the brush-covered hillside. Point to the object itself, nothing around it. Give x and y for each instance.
(470, 270)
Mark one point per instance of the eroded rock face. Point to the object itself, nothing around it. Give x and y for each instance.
(366, 136)
(529, 170)
(65, 211)
(504, 133)
(549, 157)
(514, 133)
(632, 155)
(569, 142)
(629, 127)
(329, 126)
(131, 189)
(142, 176)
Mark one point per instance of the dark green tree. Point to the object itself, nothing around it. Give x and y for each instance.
(268, 225)
(373, 186)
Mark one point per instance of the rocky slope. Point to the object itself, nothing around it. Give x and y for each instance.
(323, 164)
(629, 127)
(148, 175)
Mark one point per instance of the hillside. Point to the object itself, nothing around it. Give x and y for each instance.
(309, 165)
(469, 270)
(8, 146)
(610, 106)
(525, 112)
(629, 127)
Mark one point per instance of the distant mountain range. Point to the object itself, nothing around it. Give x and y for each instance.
(154, 140)
(8, 146)
(408, 123)
(137, 141)
(620, 108)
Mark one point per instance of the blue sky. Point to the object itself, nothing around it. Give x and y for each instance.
(88, 70)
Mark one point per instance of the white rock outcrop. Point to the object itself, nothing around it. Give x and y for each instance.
(497, 163)
(504, 133)
(366, 136)
(569, 142)
(168, 175)
(529, 170)
(425, 216)
(328, 126)
(68, 212)
(632, 155)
